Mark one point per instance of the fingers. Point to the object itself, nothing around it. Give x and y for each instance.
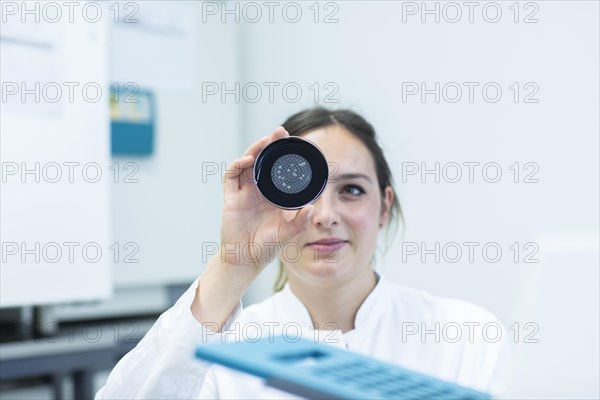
(239, 170)
(257, 147)
(235, 172)
(279, 133)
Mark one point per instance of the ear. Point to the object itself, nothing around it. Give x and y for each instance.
(386, 206)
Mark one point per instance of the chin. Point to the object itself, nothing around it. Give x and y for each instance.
(330, 269)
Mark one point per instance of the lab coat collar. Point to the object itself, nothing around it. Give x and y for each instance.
(294, 311)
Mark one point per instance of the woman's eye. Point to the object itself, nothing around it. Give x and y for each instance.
(353, 190)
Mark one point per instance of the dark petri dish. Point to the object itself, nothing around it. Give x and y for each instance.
(291, 173)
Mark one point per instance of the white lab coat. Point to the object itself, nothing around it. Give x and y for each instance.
(437, 336)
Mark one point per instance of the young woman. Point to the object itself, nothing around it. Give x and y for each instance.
(332, 293)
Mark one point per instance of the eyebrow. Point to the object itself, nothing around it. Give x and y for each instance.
(348, 176)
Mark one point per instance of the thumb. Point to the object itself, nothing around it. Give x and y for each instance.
(293, 228)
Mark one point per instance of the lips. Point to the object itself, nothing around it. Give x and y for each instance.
(327, 245)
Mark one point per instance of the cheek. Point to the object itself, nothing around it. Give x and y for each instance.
(364, 220)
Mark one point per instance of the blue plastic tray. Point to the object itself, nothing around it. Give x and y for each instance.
(316, 370)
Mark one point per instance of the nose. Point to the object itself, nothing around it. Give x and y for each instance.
(325, 213)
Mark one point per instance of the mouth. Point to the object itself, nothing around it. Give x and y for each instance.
(327, 245)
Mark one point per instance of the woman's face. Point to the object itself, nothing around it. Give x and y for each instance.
(342, 235)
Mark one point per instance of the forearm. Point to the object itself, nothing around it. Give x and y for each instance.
(219, 291)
